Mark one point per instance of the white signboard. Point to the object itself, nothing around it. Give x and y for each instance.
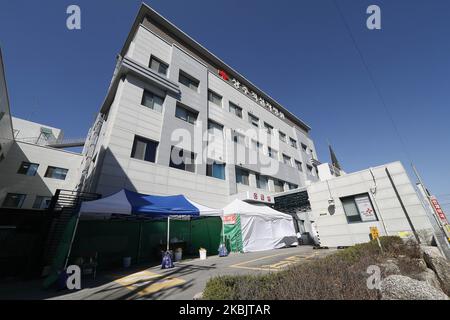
(260, 197)
(365, 208)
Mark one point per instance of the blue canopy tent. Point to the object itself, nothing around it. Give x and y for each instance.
(129, 203)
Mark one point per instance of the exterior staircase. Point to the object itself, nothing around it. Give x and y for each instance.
(64, 206)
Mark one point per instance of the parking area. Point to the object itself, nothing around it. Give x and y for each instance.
(189, 277)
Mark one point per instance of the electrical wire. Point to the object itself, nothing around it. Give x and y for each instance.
(372, 79)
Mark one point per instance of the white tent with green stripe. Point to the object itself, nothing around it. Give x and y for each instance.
(251, 228)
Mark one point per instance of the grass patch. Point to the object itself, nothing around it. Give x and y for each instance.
(338, 276)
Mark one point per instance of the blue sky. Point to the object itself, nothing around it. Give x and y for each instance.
(297, 51)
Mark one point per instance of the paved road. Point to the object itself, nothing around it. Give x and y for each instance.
(189, 277)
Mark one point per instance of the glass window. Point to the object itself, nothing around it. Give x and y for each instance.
(310, 169)
(216, 170)
(188, 81)
(293, 143)
(56, 173)
(214, 98)
(152, 101)
(262, 182)
(351, 210)
(304, 147)
(185, 114)
(144, 149)
(28, 169)
(242, 176)
(359, 208)
(253, 120)
(158, 66)
(257, 146)
(282, 136)
(292, 186)
(14, 200)
(236, 110)
(42, 202)
(268, 128)
(214, 127)
(299, 166)
(287, 160)
(182, 160)
(272, 153)
(279, 185)
(239, 139)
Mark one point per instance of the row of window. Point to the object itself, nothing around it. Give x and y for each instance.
(146, 150)
(254, 121)
(30, 169)
(262, 182)
(155, 102)
(16, 200)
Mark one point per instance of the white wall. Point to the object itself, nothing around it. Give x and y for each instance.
(334, 230)
(28, 131)
(38, 185)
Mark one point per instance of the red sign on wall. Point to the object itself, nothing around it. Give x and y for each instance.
(437, 207)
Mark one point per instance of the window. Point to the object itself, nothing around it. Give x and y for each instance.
(185, 114)
(188, 81)
(279, 185)
(257, 146)
(214, 98)
(144, 149)
(272, 153)
(262, 182)
(293, 143)
(2, 114)
(292, 186)
(239, 139)
(253, 120)
(358, 208)
(268, 128)
(56, 173)
(299, 166)
(310, 169)
(182, 159)
(215, 128)
(287, 160)
(152, 101)
(282, 136)
(28, 169)
(304, 147)
(42, 202)
(216, 170)
(242, 176)
(236, 110)
(158, 66)
(14, 200)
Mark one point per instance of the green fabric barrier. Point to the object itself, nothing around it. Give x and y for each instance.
(233, 236)
(142, 240)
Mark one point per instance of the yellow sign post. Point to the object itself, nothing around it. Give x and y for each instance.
(374, 232)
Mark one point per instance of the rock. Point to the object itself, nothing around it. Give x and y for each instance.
(429, 277)
(198, 296)
(390, 268)
(439, 265)
(397, 287)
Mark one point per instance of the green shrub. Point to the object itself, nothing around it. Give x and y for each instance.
(338, 276)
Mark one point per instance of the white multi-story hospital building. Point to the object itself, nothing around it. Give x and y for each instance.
(178, 120)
